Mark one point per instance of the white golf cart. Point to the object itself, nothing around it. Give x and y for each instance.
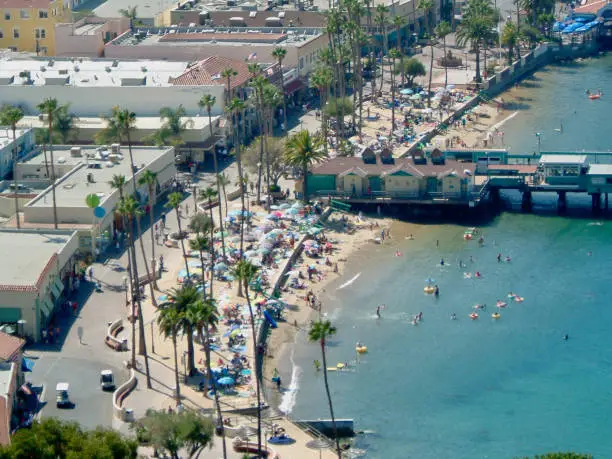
(107, 380)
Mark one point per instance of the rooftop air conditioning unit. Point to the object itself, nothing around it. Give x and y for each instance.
(75, 152)
(115, 63)
(63, 72)
(115, 148)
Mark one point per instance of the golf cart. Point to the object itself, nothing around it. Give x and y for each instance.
(61, 395)
(107, 380)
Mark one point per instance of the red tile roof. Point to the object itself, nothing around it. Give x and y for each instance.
(208, 73)
(591, 7)
(9, 345)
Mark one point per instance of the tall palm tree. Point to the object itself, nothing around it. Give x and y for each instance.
(475, 27)
(441, 31)
(223, 181)
(302, 152)
(10, 116)
(180, 299)
(399, 22)
(280, 53)
(382, 12)
(207, 101)
(204, 228)
(258, 83)
(509, 39)
(210, 194)
(173, 127)
(49, 107)
(228, 73)
(236, 108)
(271, 98)
(149, 179)
(174, 202)
(246, 272)
(204, 315)
(393, 54)
(119, 127)
(321, 79)
(319, 333)
(169, 320)
(129, 208)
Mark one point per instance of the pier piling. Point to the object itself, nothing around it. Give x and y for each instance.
(562, 203)
(526, 202)
(596, 202)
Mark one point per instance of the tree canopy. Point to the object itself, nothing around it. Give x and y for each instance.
(275, 157)
(171, 432)
(55, 439)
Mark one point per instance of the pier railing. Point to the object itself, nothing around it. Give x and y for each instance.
(476, 193)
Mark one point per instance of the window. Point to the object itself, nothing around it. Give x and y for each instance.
(15, 33)
(1, 34)
(13, 48)
(24, 14)
(43, 14)
(7, 15)
(40, 33)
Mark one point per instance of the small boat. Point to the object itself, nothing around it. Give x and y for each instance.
(473, 316)
(496, 315)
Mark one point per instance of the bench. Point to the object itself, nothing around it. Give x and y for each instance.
(111, 340)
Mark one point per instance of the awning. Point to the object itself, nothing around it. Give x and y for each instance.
(47, 307)
(27, 364)
(59, 284)
(294, 86)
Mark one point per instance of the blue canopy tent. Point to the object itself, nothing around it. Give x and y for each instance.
(27, 364)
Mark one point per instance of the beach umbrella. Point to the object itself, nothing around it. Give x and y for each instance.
(250, 253)
(275, 207)
(320, 444)
(297, 205)
(218, 234)
(220, 267)
(292, 211)
(195, 264)
(406, 92)
(450, 86)
(162, 297)
(271, 217)
(284, 205)
(415, 97)
(226, 381)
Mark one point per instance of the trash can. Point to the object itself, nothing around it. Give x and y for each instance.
(129, 415)
(124, 344)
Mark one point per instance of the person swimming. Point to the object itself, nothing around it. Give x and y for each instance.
(437, 292)
(477, 274)
(442, 262)
(453, 316)
(499, 257)
(508, 259)
(565, 337)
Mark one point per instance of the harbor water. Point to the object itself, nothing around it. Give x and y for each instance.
(481, 388)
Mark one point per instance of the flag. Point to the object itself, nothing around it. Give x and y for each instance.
(252, 56)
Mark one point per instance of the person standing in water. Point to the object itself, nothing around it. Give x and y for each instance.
(378, 312)
(437, 292)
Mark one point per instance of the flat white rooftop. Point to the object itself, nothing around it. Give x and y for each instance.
(563, 159)
(142, 122)
(32, 251)
(85, 72)
(72, 189)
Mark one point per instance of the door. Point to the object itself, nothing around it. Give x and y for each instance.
(374, 184)
(432, 184)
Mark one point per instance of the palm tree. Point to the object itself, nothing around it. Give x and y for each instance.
(382, 20)
(236, 108)
(399, 22)
(475, 27)
(174, 202)
(207, 101)
(271, 98)
(302, 152)
(509, 39)
(223, 181)
(49, 107)
(246, 272)
(120, 125)
(321, 79)
(393, 54)
(204, 228)
(258, 83)
(228, 73)
(441, 31)
(204, 315)
(320, 332)
(128, 207)
(10, 116)
(149, 179)
(172, 128)
(169, 320)
(180, 299)
(280, 53)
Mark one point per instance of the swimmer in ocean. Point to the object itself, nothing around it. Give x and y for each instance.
(565, 337)
(453, 316)
(442, 262)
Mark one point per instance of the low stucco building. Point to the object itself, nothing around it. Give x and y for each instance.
(35, 282)
(89, 170)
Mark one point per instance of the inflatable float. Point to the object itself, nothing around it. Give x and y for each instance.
(429, 289)
(473, 316)
(595, 96)
(518, 299)
(361, 349)
(496, 315)
(501, 304)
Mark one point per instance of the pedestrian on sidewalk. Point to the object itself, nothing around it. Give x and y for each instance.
(91, 274)
(161, 264)
(156, 238)
(163, 220)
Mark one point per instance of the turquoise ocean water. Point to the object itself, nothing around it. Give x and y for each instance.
(485, 388)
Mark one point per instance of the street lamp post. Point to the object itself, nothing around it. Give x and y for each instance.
(185, 365)
(125, 287)
(259, 180)
(539, 136)
(152, 338)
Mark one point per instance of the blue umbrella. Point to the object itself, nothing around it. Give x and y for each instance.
(226, 381)
(406, 92)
